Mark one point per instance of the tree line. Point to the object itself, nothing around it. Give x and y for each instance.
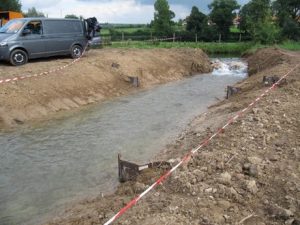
(265, 21)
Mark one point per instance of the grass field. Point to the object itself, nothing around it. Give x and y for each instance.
(290, 45)
(211, 48)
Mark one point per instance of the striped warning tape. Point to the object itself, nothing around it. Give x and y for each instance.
(10, 80)
(187, 157)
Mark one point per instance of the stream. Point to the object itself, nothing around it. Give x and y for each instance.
(44, 168)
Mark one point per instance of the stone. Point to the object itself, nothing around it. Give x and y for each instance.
(208, 190)
(224, 204)
(280, 213)
(255, 160)
(225, 178)
(250, 170)
(251, 186)
(296, 222)
(139, 187)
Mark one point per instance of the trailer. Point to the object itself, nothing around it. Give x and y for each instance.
(5, 16)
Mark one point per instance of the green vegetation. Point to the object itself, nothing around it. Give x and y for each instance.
(10, 5)
(290, 45)
(32, 12)
(210, 48)
(222, 14)
(162, 23)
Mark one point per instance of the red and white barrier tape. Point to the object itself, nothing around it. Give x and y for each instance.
(9, 80)
(194, 151)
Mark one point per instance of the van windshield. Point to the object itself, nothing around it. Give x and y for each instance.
(12, 26)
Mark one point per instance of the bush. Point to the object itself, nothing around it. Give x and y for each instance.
(267, 33)
(291, 30)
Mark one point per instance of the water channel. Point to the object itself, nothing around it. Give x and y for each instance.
(43, 168)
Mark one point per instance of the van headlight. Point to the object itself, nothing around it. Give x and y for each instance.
(3, 44)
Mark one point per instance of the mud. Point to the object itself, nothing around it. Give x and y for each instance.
(98, 76)
(250, 174)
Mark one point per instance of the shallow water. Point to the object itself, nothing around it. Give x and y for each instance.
(41, 169)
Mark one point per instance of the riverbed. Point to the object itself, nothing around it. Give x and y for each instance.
(44, 168)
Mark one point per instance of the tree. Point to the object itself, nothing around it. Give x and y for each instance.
(287, 13)
(285, 9)
(253, 14)
(291, 30)
(163, 16)
(32, 12)
(257, 20)
(196, 21)
(222, 14)
(71, 16)
(10, 5)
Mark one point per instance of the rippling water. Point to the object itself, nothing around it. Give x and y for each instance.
(41, 169)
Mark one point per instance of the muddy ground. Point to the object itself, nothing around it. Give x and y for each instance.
(99, 75)
(248, 175)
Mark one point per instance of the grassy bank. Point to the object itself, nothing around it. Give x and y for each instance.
(290, 45)
(210, 48)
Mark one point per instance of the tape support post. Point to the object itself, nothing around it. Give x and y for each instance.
(197, 149)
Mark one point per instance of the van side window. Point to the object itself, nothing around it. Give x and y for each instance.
(35, 27)
(62, 26)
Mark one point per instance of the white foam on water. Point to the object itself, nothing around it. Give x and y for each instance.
(229, 67)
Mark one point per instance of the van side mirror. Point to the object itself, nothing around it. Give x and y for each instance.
(26, 32)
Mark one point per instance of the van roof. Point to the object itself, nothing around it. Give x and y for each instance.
(44, 18)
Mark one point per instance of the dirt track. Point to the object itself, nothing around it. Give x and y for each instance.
(100, 75)
(248, 175)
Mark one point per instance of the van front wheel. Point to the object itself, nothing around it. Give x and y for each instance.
(18, 57)
(76, 51)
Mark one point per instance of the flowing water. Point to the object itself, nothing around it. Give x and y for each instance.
(42, 169)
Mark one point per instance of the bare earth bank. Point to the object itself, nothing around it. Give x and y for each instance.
(98, 76)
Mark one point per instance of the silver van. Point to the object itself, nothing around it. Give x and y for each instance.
(29, 38)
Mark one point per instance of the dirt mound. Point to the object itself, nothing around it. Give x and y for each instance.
(100, 75)
(264, 59)
(249, 174)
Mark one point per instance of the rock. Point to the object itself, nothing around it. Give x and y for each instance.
(255, 160)
(204, 169)
(276, 101)
(208, 190)
(296, 222)
(225, 178)
(224, 204)
(139, 187)
(251, 186)
(226, 217)
(279, 212)
(250, 170)
(233, 192)
(255, 110)
(199, 175)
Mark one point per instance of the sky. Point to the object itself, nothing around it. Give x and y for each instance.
(114, 11)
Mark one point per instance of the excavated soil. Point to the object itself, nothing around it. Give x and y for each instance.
(249, 175)
(99, 75)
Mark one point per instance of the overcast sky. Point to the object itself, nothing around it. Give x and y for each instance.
(114, 11)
